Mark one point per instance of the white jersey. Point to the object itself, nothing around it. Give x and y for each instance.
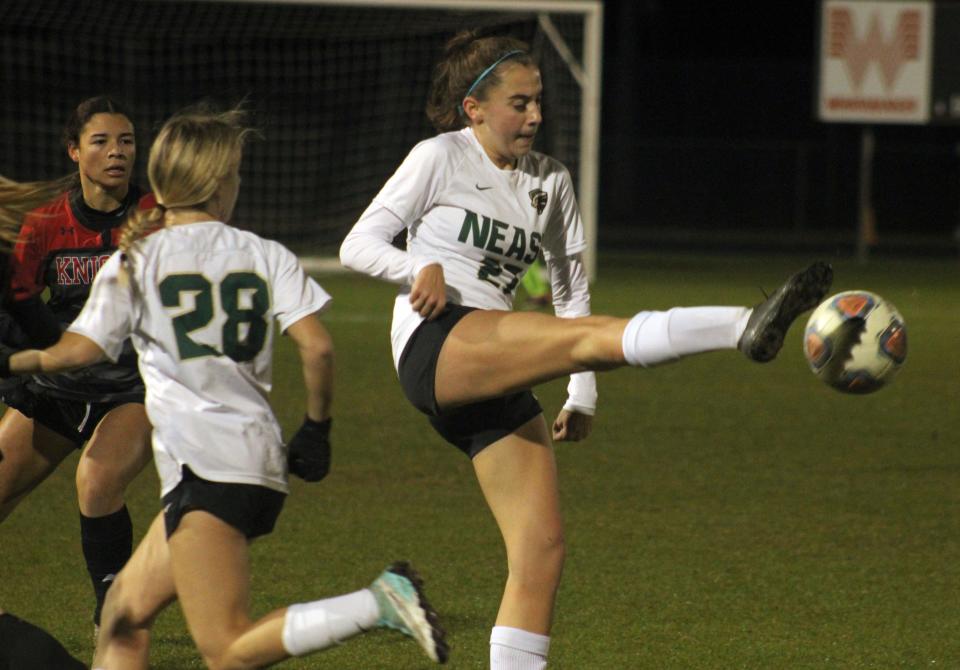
(484, 225)
(200, 311)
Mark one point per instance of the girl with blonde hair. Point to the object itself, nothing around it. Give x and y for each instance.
(198, 297)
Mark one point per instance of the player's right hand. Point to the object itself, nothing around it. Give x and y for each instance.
(571, 426)
(308, 453)
(428, 295)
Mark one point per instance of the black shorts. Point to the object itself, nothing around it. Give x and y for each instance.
(73, 419)
(251, 509)
(471, 427)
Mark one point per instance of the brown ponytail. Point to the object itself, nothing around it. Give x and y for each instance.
(466, 57)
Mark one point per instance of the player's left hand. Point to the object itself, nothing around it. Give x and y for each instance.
(428, 295)
(308, 453)
(571, 426)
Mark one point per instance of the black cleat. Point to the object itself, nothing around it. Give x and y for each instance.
(768, 324)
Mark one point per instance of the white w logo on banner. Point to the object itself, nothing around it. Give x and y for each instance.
(875, 61)
(889, 55)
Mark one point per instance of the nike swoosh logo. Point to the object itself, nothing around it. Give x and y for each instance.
(482, 188)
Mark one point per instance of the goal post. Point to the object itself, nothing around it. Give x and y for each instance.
(337, 87)
(584, 67)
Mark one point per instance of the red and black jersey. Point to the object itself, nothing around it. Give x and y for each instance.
(60, 248)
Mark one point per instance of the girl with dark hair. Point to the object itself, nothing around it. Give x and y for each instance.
(479, 205)
(70, 227)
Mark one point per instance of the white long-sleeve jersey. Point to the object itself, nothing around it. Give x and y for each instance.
(484, 226)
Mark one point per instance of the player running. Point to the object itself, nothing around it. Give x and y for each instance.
(60, 247)
(479, 204)
(198, 298)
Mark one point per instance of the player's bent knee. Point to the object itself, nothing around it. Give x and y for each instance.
(125, 609)
(97, 485)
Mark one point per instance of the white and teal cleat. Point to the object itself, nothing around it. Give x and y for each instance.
(403, 607)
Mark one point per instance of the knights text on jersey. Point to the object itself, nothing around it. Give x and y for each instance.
(199, 308)
(484, 225)
(60, 247)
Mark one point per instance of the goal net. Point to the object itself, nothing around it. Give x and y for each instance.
(336, 87)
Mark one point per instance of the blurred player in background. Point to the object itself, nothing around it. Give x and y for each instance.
(198, 298)
(59, 249)
(536, 282)
(479, 205)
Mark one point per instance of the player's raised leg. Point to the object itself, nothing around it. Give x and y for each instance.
(490, 353)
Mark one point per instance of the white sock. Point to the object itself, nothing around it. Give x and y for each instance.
(516, 649)
(308, 627)
(652, 338)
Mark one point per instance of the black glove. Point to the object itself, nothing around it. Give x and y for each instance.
(308, 453)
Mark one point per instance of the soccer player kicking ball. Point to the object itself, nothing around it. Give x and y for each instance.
(479, 205)
(198, 298)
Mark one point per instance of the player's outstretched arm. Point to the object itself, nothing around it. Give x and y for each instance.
(70, 352)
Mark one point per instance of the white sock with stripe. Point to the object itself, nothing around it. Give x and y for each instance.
(516, 649)
(316, 625)
(653, 338)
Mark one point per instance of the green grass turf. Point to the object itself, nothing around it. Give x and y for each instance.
(722, 515)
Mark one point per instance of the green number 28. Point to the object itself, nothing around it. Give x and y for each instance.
(245, 330)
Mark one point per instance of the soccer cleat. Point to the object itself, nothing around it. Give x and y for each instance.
(403, 607)
(770, 320)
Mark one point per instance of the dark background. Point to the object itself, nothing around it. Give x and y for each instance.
(710, 138)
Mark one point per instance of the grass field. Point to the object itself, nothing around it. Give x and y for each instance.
(723, 514)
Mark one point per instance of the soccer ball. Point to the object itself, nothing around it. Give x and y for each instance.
(855, 341)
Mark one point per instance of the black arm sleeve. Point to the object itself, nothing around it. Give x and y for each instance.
(36, 320)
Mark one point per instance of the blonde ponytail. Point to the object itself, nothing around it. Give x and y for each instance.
(193, 152)
(139, 224)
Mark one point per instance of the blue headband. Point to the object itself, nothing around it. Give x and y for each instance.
(489, 70)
